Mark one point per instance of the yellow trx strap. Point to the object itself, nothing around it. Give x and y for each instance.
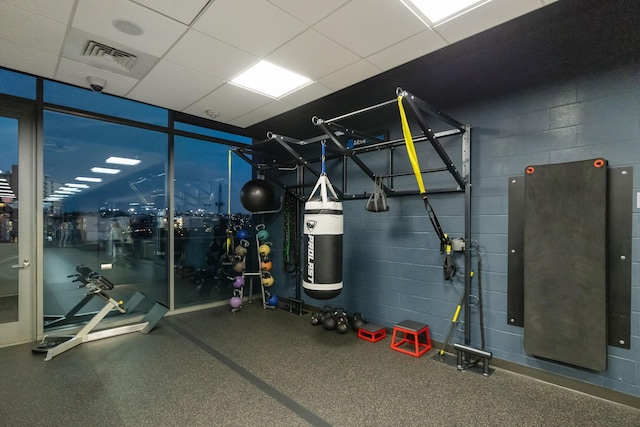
(411, 149)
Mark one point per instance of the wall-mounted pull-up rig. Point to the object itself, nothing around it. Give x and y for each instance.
(333, 130)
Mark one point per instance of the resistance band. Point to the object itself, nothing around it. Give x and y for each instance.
(445, 242)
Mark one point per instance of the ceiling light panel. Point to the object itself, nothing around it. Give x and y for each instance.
(271, 80)
(436, 12)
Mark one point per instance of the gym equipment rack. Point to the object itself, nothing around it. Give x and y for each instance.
(335, 132)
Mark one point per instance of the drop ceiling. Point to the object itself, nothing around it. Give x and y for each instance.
(186, 52)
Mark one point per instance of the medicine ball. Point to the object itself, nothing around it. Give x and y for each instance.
(257, 195)
(242, 234)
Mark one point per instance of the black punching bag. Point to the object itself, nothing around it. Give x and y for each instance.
(323, 229)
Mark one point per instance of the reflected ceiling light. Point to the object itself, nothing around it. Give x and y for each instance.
(122, 161)
(271, 80)
(74, 190)
(71, 184)
(105, 170)
(432, 13)
(63, 192)
(88, 179)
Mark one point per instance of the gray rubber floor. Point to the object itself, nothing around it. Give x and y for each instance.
(272, 368)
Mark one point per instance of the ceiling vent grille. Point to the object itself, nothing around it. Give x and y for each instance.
(107, 53)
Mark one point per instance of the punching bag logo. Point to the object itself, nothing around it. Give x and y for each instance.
(310, 258)
(311, 224)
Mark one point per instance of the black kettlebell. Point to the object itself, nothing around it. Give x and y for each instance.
(342, 325)
(329, 322)
(317, 318)
(358, 321)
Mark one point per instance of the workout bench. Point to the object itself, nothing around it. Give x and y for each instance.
(97, 286)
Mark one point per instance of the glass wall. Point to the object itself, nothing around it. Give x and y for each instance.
(105, 208)
(204, 203)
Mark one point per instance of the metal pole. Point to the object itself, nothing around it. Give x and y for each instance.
(364, 110)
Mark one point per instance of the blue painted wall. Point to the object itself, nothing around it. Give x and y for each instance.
(392, 263)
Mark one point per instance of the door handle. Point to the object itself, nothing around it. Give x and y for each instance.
(25, 264)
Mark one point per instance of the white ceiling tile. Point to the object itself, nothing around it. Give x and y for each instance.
(28, 29)
(183, 11)
(76, 73)
(186, 86)
(26, 59)
(484, 17)
(160, 32)
(230, 101)
(312, 55)
(368, 26)
(308, 12)
(407, 50)
(272, 109)
(350, 75)
(307, 94)
(255, 26)
(59, 10)
(162, 96)
(202, 53)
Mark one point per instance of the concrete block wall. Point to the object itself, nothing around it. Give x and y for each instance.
(392, 263)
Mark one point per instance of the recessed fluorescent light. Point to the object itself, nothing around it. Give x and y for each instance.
(74, 190)
(271, 80)
(105, 170)
(436, 12)
(70, 184)
(88, 179)
(122, 161)
(63, 192)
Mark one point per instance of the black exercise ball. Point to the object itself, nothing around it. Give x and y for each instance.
(257, 195)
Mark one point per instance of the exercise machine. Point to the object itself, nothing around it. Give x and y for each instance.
(97, 286)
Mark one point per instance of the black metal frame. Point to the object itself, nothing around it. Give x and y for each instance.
(336, 132)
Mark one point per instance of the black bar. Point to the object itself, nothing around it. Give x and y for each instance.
(434, 141)
(430, 109)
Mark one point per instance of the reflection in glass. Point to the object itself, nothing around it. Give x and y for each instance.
(114, 224)
(8, 220)
(204, 205)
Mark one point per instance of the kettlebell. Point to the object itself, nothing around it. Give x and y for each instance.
(267, 279)
(261, 234)
(242, 234)
(239, 265)
(329, 322)
(358, 321)
(266, 265)
(241, 249)
(317, 318)
(342, 325)
(273, 300)
(236, 300)
(265, 249)
(238, 282)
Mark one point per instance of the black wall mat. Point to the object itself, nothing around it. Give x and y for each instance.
(619, 223)
(565, 275)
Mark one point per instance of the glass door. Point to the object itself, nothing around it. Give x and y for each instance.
(17, 225)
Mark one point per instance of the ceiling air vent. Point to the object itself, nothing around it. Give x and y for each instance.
(107, 53)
